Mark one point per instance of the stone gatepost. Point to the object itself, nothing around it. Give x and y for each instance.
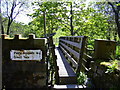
(23, 62)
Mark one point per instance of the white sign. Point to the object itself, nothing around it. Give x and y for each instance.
(26, 55)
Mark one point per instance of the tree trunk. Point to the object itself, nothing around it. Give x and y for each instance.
(2, 28)
(116, 17)
(71, 20)
(8, 27)
(117, 23)
(44, 15)
(115, 35)
(1, 24)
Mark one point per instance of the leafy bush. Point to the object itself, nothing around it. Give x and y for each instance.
(81, 78)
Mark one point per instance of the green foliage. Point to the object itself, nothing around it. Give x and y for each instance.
(111, 65)
(87, 20)
(59, 33)
(55, 11)
(16, 28)
(81, 78)
(118, 52)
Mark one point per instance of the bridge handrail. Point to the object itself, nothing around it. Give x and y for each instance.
(73, 48)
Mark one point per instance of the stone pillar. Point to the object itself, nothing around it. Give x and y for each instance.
(23, 73)
(104, 49)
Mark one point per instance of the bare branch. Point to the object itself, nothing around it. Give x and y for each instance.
(15, 9)
(7, 8)
(17, 14)
(112, 7)
(18, 10)
(18, 3)
(12, 10)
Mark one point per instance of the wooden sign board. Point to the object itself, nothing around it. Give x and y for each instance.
(22, 55)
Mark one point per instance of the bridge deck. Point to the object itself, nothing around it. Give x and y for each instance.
(66, 73)
(68, 87)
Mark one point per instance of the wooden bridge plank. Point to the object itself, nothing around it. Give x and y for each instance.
(66, 73)
(64, 69)
(67, 87)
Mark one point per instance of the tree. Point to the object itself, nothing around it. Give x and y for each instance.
(71, 19)
(116, 10)
(12, 8)
(54, 13)
(1, 25)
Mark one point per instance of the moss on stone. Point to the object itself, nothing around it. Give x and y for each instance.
(111, 63)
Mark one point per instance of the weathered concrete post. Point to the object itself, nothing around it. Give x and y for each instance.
(104, 49)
